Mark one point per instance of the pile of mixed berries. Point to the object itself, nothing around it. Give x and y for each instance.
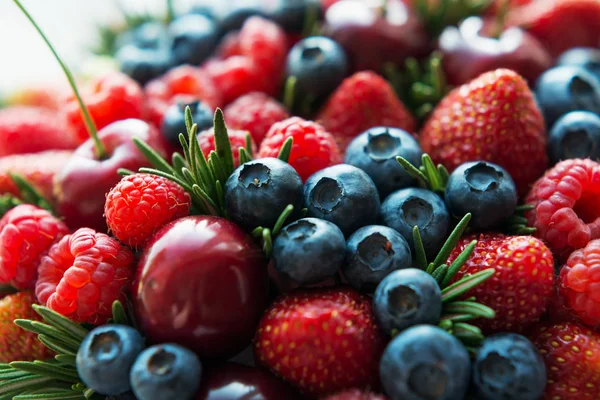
(304, 199)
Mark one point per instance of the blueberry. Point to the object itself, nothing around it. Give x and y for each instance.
(344, 195)
(106, 355)
(483, 189)
(166, 372)
(575, 135)
(566, 88)
(174, 121)
(425, 363)
(233, 13)
(406, 298)
(309, 250)
(407, 208)
(143, 64)
(375, 152)
(372, 252)
(195, 37)
(258, 191)
(319, 65)
(586, 57)
(508, 367)
(149, 35)
(291, 15)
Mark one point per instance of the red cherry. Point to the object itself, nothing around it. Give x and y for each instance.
(467, 52)
(82, 185)
(202, 283)
(372, 37)
(233, 381)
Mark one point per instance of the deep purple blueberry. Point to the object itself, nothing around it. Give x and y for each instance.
(174, 121)
(344, 195)
(233, 13)
(586, 57)
(373, 252)
(407, 208)
(508, 367)
(291, 15)
(575, 135)
(194, 38)
(309, 251)
(144, 64)
(483, 189)
(149, 35)
(375, 152)
(425, 362)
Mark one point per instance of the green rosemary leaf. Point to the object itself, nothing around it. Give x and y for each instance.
(5, 366)
(467, 333)
(119, 316)
(206, 177)
(440, 272)
(189, 120)
(452, 240)
(217, 167)
(443, 174)
(524, 208)
(208, 203)
(432, 174)
(267, 242)
(414, 171)
(248, 146)
(467, 283)
(178, 164)
(29, 193)
(430, 268)
(153, 157)
(286, 149)
(66, 359)
(167, 176)
(186, 147)
(12, 373)
(62, 323)
(457, 317)
(469, 307)
(289, 93)
(187, 176)
(64, 395)
(50, 371)
(125, 172)
(223, 144)
(195, 153)
(244, 156)
(282, 218)
(458, 263)
(517, 220)
(47, 330)
(220, 197)
(24, 383)
(445, 324)
(56, 346)
(420, 256)
(10, 395)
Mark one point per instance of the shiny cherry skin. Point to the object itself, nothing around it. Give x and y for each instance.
(82, 185)
(233, 381)
(202, 282)
(371, 36)
(468, 52)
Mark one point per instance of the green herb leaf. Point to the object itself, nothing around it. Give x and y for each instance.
(420, 256)
(286, 150)
(458, 263)
(465, 284)
(282, 218)
(222, 143)
(30, 194)
(477, 310)
(62, 323)
(452, 240)
(119, 314)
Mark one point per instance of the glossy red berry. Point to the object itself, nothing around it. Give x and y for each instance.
(237, 138)
(142, 203)
(313, 149)
(236, 76)
(26, 234)
(83, 274)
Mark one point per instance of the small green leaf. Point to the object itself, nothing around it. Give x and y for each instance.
(469, 307)
(30, 194)
(467, 283)
(217, 167)
(153, 157)
(188, 118)
(445, 325)
(457, 317)
(243, 156)
(64, 395)
(289, 92)
(452, 240)
(286, 150)
(282, 218)
(432, 174)
(414, 171)
(166, 176)
(178, 164)
(524, 208)
(56, 345)
(119, 316)
(12, 373)
(430, 268)
(207, 202)
(25, 383)
(223, 144)
(440, 272)
(267, 242)
(220, 197)
(50, 371)
(420, 256)
(64, 324)
(458, 263)
(125, 172)
(467, 333)
(66, 359)
(248, 147)
(43, 329)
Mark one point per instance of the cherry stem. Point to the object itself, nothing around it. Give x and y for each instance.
(89, 122)
(500, 18)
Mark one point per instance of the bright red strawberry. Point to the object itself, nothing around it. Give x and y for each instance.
(83, 274)
(110, 98)
(567, 213)
(548, 20)
(140, 204)
(364, 100)
(184, 84)
(254, 112)
(356, 394)
(521, 287)
(39, 170)
(580, 283)
(237, 138)
(17, 344)
(493, 118)
(322, 340)
(26, 234)
(32, 130)
(572, 356)
(313, 148)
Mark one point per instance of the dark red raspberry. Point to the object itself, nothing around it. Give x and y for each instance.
(142, 203)
(567, 211)
(256, 113)
(110, 98)
(356, 394)
(83, 275)
(229, 46)
(579, 283)
(32, 130)
(26, 234)
(236, 76)
(184, 84)
(206, 140)
(313, 148)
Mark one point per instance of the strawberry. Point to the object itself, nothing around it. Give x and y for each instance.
(364, 100)
(572, 356)
(492, 118)
(548, 20)
(355, 394)
(15, 343)
(321, 340)
(520, 289)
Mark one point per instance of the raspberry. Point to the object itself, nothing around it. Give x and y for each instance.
(142, 203)
(184, 84)
(313, 148)
(229, 46)
(579, 283)
(32, 130)
(254, 112)
(363, 101)
(236, 76)
(83, 275)
(26, 234)
(356, 394)
(110, 98)
(206, 140)
(567, 212)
